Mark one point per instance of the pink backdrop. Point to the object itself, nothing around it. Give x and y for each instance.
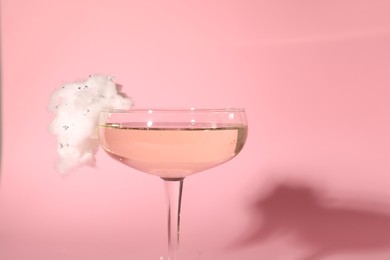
(312, 182)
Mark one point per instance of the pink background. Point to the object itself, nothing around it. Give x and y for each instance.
(312, 182)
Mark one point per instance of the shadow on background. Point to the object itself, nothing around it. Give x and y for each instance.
(325, 227)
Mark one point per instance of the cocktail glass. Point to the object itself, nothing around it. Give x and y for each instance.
(172, 144)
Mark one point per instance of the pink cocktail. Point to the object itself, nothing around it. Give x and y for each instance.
(173, 144)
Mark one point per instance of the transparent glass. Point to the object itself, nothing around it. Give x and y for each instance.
(173, 143)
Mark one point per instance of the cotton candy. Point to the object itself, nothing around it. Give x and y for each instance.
(77, 106)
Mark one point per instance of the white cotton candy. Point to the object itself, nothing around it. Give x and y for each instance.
(77, 106)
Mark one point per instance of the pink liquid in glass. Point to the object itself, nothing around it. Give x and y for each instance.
(172, 152)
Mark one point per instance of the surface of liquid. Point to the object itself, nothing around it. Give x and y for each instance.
(174, 151)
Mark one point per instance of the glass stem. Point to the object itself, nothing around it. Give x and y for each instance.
(173, 191)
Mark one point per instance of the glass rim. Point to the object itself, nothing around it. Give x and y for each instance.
(174, 109)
